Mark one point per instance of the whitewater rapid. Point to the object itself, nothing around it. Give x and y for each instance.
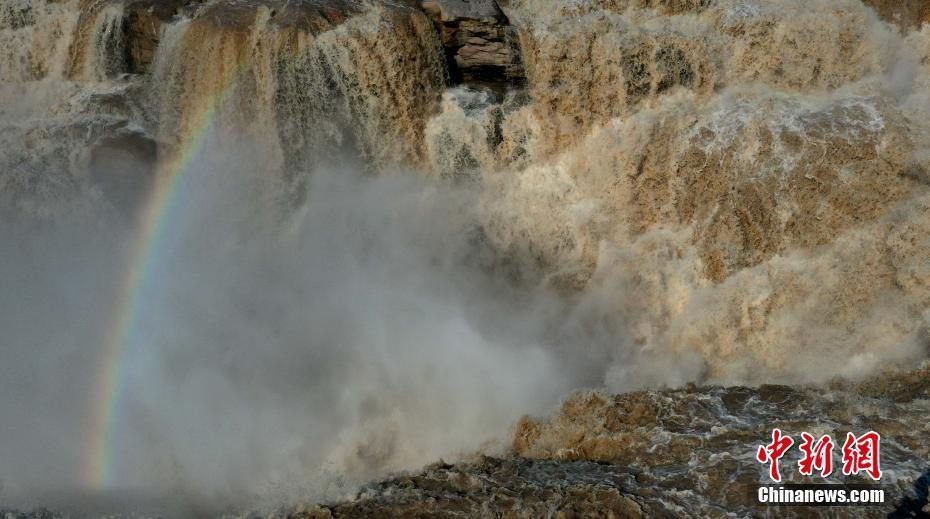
(269, 248)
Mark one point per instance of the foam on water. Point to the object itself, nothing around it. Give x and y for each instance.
(685, 191)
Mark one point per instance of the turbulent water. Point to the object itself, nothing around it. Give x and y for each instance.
(342, 263)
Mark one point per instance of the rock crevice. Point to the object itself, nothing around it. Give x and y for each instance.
(480, 44)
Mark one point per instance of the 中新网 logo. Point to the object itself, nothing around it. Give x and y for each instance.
(860, 454)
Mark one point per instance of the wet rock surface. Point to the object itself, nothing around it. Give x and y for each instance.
(672, 453)
(514, 487)
(143, 25)
(480, 44)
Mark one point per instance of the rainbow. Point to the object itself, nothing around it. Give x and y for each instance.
(152, 231)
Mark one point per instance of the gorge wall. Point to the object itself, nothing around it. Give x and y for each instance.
(624, 194)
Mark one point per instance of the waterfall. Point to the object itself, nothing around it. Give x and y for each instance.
(316, 241)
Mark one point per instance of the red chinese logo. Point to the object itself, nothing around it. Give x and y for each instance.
(773, 452)
(816, 456)
(860, 454)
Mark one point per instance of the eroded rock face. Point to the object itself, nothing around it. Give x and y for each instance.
(480, 43)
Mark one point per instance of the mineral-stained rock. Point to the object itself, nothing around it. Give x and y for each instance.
(480, 44)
